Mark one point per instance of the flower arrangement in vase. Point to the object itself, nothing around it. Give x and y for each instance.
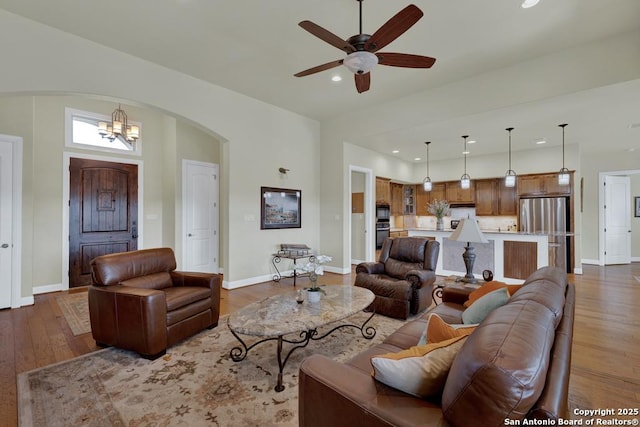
(314, 268)
(439, 208)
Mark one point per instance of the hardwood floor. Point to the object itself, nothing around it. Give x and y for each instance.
(605, 370)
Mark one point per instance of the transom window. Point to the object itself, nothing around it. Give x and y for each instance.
(82, 132)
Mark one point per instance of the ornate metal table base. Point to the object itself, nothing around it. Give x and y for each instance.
(240, 353)
(279, 256)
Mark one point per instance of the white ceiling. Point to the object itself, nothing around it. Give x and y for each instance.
(255, 46)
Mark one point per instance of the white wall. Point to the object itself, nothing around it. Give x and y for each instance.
(45, 60)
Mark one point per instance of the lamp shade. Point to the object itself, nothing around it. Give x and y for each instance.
(468, 231)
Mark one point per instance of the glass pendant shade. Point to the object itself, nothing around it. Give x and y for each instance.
(427, 185)
(360, 62)
(510, 175)
(563, 175)
(465, 179)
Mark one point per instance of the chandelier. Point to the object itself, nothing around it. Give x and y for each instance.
(119, 128)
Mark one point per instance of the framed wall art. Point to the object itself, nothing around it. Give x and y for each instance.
(636, 204)
(280, 208)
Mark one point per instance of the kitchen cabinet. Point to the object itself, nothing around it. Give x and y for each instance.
(486, 197)
(438, 192)
(408, 199)
(396, 199)
(421, 200)
(457, 195)
(542, 185)
(402, 233)
(507, 199)
(383, 191)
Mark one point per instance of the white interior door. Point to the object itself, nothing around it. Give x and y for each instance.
(6, 222)
(617, 220)
(200, 216)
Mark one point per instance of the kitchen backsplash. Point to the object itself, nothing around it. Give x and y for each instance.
(486, 223)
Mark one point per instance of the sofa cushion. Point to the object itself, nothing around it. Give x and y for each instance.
(510, 351)
(437, 330)
(489, 287)
(548, 287)
(151, 281)
(477, 311)
(181, 296)
(420, 370)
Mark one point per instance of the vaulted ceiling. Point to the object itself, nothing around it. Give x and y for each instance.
(255, 46)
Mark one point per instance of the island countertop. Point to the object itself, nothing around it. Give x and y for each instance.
(507, 253)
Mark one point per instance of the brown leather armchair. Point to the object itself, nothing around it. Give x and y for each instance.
(137, 301)
(403, 278)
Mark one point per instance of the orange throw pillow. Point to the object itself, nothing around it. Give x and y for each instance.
(489, 287)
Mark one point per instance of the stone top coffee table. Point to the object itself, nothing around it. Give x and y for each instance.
(281, 315)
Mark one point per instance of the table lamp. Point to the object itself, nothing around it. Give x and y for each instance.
(468, 231)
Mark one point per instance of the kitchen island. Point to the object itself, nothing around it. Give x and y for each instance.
(511, 256)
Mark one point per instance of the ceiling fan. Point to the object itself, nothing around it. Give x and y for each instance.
(362, 49)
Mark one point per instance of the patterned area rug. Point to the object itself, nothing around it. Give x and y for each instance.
(195, 383)
(75, 308)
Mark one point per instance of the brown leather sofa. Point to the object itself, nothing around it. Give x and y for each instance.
(137, 301)
(403, 277)
(515, 365)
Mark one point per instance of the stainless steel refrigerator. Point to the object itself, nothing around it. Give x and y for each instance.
(548, 215)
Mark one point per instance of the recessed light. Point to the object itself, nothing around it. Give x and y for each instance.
(541, 141)
(631, 150)
(472, 141)
(466, 152)
(417, 159)
(526, 4)
(336, 78)
(395, 151)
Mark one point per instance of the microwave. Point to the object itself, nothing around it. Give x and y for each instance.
(383, 212)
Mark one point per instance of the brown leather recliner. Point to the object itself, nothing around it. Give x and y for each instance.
(403, 278)
(138, 302)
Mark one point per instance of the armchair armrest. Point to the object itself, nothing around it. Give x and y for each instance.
(455, 294)
(128, 317)
(190, 278)
(370, 268)
(420, 278)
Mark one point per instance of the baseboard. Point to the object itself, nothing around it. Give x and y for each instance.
(26, 301)
(591, 261)
(226, 284)
(356, 261)
(577, 270)
(635, 259)
(47, 288)
(337, 270)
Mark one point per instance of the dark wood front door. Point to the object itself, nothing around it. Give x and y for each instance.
(103, 213)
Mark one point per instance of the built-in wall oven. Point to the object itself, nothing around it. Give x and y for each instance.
(382, 232)
(383, 215)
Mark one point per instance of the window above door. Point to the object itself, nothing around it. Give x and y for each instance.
(81, 131)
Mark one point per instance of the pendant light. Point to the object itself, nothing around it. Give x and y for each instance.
(510, 176)
(563, 175)
(465, 179)
(427, 185)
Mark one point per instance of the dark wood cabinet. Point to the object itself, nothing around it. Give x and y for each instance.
(486, 197)
(421, 200)
(543, 185)
(408, 201)
(458, 195)
(507, 199)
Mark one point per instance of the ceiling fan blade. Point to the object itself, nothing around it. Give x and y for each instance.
(405, 60)
(394, 28)
(327, 36)
(319, 68)
(363, 81)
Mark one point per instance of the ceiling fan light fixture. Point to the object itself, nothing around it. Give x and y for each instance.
(360, 62)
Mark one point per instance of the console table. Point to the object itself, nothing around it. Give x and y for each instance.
(293, 252)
